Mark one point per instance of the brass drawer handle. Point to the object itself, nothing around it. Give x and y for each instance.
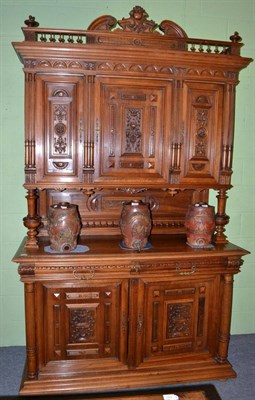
(178, 269)
(91, 275)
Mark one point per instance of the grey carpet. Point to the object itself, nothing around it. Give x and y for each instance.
(241, 356)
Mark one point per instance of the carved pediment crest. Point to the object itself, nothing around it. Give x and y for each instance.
(137, 22)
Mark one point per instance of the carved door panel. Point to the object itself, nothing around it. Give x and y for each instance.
(87, 321)
(59, 129)
(133, 119)
(202, 130)
(178, 318)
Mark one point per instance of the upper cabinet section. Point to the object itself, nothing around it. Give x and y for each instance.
(128, 104)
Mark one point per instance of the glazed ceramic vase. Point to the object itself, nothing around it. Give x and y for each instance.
(135, 224)
(63, 226)
(200, 225)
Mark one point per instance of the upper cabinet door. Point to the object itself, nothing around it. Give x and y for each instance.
(59, 129)
(133, 123)
(202, 130)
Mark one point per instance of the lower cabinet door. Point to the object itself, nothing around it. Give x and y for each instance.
(85, 321)
(179, 318)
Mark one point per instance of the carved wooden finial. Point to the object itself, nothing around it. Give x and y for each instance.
(31, 22)
(235, 38)
(138, 21)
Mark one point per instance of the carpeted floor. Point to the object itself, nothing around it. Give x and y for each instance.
(241, 355)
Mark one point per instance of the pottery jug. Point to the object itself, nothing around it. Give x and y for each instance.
(63, 226)
(135, 224)
(200, 225)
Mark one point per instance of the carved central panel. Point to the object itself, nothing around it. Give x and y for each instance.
(201, 134)
(133, 131)
(60, 129)
(82, 324)
(179, 320)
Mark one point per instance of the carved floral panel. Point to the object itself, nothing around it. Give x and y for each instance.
(179, 320)
(82, 324)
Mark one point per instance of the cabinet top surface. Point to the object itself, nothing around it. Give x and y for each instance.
(103, 248)
(135, 34)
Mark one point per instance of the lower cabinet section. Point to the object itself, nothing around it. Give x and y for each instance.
(147, 331)
(138, 320)
(129, 321)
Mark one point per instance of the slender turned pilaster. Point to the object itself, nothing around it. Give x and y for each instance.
(225, 321)
(92, 130)
(222, 218)
(32, 220)
(30, 330)
(30, 142)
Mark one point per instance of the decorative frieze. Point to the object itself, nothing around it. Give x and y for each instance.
(172, 265)
(128, 67)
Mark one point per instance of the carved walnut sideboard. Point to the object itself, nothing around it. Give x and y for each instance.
(127, 110)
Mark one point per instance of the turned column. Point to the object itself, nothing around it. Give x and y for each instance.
(221, 218)
(225, 321)
(89, 134)
(30, 330)
(32, 221)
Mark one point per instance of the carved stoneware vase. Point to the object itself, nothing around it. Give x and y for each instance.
(63, 226)
(200, 225)
(135, 224)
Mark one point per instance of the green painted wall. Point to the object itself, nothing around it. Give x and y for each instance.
(212, 19)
